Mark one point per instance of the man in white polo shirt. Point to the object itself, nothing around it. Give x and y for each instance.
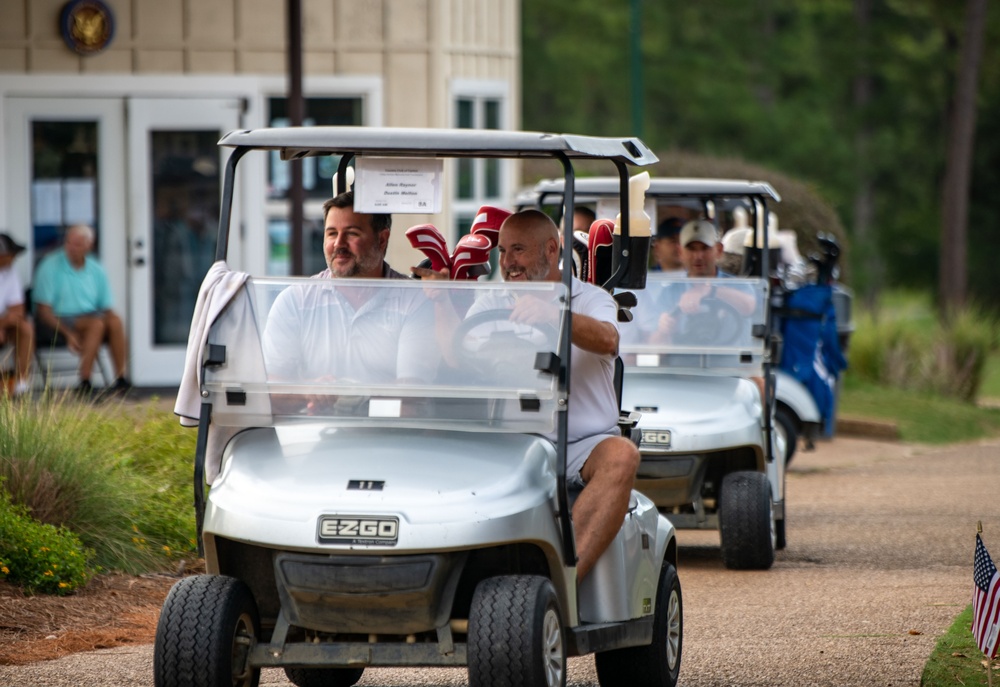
(598, 458)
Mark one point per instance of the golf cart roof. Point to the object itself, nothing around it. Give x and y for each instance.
(662, 186)
(297, 142)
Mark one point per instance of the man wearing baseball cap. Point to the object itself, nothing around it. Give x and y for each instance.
(700, 248)
(15, 327)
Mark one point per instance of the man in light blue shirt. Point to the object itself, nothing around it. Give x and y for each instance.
(73, 302)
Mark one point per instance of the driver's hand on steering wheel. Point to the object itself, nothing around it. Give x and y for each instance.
(534, 311)
(690, 300)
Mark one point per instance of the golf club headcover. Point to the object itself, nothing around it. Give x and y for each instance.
(599, 243)
(471, 256)
(428, 240)
(487, 223)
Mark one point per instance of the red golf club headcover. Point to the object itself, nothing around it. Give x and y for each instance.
(487, 223)
(472, 253)
(428, 240)
(599, 243)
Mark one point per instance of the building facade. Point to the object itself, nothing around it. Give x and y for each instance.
(111, 111)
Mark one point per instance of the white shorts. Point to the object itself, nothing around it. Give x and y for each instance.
(577, 453)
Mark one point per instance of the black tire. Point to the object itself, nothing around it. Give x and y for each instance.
(324, 677)
(791, 428)
(516, 634)
(208, 625)
(746, 521)
(659, 663)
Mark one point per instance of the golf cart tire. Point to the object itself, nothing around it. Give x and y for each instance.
(790, 427)
(208, 623)
(323, 677)
(746, 521)
(659, 663)
(515, 633)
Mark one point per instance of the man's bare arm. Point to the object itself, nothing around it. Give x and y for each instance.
(594, 335)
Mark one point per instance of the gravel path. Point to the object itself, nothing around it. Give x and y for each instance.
(879, 562)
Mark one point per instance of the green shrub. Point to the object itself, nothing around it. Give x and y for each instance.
(966, 344)
(103, 472)
(40, 557)
(903, 345)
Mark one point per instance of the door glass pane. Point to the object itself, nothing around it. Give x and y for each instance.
(185, 190)
(63, 182)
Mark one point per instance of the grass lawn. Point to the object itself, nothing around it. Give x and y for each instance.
(920, 417)
(991, 378)
(956, 660)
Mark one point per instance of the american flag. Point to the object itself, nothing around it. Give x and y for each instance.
(985, 601)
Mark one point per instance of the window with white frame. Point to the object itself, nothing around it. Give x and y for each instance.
(477, 182)
(317, 181)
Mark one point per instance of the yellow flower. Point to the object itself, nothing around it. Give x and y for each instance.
(47, 573)
(63, 585)
(167, 549)
(44, 548)
(6, 570)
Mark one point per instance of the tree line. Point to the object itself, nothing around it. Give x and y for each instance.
(860, 99)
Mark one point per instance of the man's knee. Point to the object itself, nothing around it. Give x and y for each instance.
(616, 457)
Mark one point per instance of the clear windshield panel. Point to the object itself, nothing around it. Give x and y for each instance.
(380, 352)
(698, 326)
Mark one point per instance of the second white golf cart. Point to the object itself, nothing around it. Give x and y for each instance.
(713, 456)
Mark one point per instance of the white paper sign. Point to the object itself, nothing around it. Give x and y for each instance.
(78, 201)
(46, 202)
(395, 184)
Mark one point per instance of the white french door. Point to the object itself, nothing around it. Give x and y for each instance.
(175, 184)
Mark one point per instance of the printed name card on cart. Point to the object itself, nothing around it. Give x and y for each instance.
(397, 184)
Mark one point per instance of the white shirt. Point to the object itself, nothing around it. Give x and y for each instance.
(11, 292)
(593, 404)
(314, 333)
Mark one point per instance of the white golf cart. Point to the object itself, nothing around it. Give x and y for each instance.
(362, 516)
(796, 411)
(702, 377)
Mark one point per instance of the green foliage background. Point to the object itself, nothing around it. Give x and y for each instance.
(772, 82)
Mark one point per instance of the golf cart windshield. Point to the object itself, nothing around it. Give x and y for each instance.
(389, 353)
(697, 326)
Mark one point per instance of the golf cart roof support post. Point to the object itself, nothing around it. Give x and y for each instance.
(345, 161)
(225, 210)
(562, 418)
(618, 265)
(200, 449)
(760, 204)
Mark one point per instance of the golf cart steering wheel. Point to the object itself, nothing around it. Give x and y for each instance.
(715, 322)
(490, 341)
